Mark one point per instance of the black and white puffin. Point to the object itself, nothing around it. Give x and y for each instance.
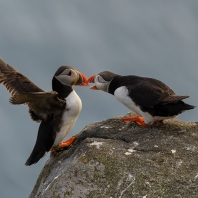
(57, 110)
(151, 99)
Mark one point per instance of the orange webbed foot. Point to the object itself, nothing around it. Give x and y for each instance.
(138, 119)
(65, 144)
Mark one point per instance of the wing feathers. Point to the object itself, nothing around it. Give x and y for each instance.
(17, 83)
(14, 81)
(43, 104)
(151, 92)
(173, 99)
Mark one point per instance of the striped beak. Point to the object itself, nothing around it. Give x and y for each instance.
(82, 80)
(91, 79)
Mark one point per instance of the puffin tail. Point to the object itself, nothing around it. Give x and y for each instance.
(187, 106)
(175, 104)
(43, 143)
(179, 107)
(172, 109)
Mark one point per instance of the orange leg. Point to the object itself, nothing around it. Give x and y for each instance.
(138, 119)
(64, 144)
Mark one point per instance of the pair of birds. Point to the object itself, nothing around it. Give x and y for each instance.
(57, 110)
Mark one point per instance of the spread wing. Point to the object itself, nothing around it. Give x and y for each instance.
(152, 92)
(14, 81)
(43, 104)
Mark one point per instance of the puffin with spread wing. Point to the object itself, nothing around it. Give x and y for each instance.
(57, 110)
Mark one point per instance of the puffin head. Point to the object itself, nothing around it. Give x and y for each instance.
(101, 80)
(69, 76)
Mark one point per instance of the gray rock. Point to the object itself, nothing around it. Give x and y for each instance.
(113, 159)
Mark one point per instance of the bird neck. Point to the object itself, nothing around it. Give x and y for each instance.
(114, 84)
(62, 90)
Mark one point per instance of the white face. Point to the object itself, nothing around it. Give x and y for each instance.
(101, 84)
(68, 77)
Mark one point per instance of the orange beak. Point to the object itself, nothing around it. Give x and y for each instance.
(82, 81)
(91, 80)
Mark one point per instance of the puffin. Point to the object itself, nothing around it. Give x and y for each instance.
(56, 110)
(151, 99)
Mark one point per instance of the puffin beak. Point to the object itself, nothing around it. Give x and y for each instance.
(82, 81)
(91, 80)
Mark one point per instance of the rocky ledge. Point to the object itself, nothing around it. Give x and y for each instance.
(113, 159)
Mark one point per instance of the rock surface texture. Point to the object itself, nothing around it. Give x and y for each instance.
(113, 159)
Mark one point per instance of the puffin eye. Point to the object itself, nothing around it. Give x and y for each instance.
(69, 74)
(101, 80)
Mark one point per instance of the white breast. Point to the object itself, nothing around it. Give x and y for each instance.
(122, 95)
(73, 108)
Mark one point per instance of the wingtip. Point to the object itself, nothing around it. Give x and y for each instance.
(1, 59)
(31, 161)
(27, 164)
(35, 156)
(193, 106)
(13, 101)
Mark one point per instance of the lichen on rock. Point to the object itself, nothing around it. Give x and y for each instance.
(114, 159)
